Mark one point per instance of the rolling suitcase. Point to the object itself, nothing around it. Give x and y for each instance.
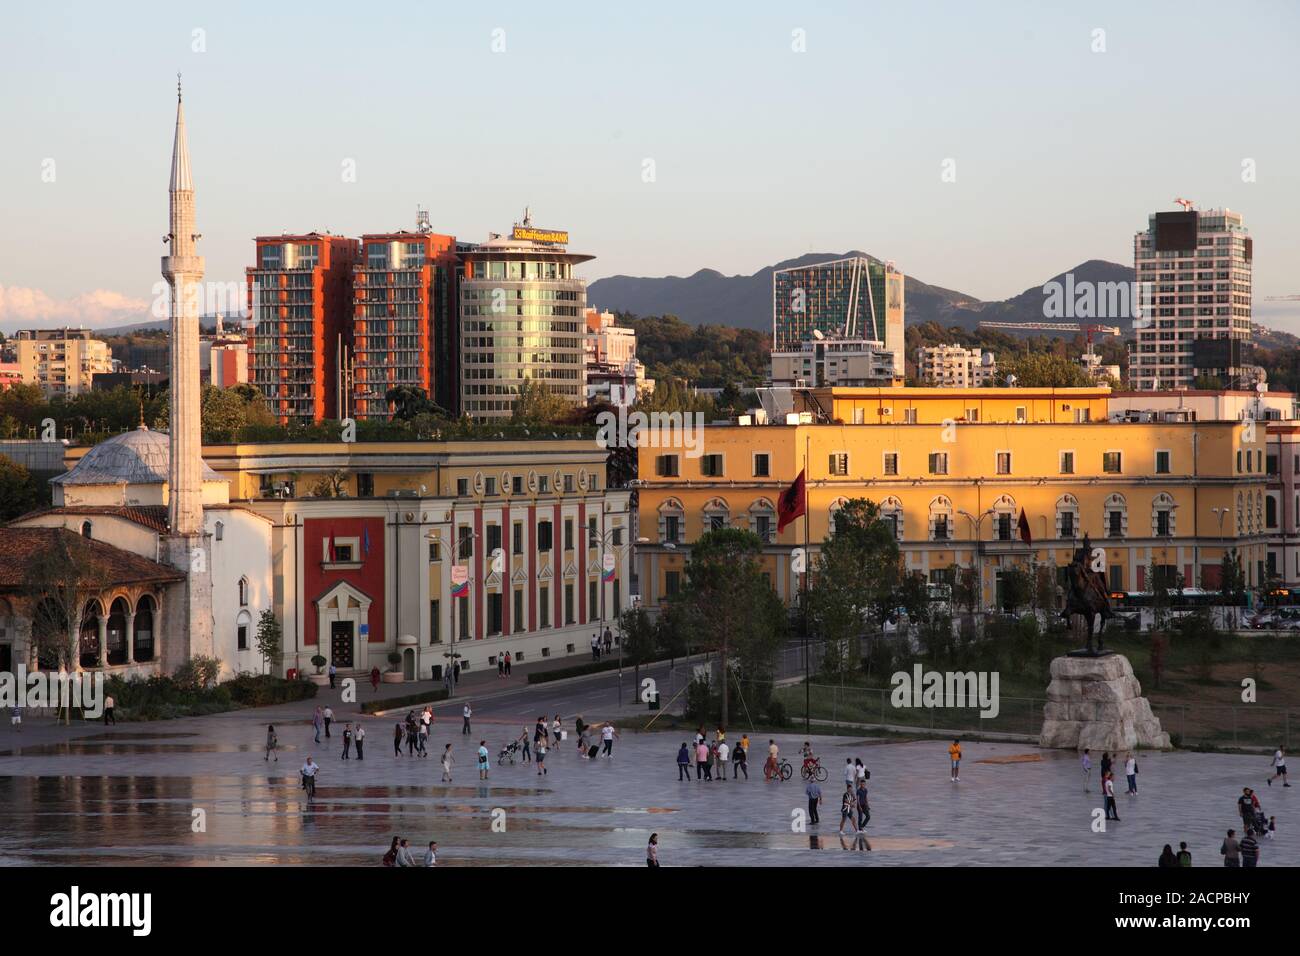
(593, 751)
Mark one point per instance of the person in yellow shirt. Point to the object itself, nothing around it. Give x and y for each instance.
(954, 755)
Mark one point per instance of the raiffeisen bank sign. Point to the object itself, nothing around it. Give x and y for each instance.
(554, 237)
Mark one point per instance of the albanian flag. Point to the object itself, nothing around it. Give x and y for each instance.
(1023, 527)
(792, 503)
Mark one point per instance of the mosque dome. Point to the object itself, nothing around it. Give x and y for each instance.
(138, 457)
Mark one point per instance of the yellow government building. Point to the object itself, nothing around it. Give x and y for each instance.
(953, 469)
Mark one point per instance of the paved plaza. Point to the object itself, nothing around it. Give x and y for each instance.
(127, 794)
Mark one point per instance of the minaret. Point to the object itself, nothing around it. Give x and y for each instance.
(183, 270)
(186, 547)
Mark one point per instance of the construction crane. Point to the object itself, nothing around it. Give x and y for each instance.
(1088, 330)
(1187, 204)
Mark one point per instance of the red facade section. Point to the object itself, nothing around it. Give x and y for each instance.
(368, 579)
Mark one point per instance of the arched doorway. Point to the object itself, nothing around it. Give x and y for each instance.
(143, 639)
(408, 664)
(117, 615)
(89, 636)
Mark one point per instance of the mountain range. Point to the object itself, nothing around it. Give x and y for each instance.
(710, 298)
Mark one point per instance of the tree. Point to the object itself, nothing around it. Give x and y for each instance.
(19, 492)
(638, 633)
(270, 639)
(330, 485)
(966, 589)
(63, 579)
(410, 402)
(1043, 370)
(855, 578)
(535, 404)
(1017, 588)
(730, 604)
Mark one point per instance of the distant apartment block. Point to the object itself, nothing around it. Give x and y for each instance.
(612, 368)
(853, 298)
(1195, 270)
(403, 328)
(300, 302)
(828, 361)
(61, 361)
(955, 366)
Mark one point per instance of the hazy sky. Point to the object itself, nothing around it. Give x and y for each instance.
(759, 152)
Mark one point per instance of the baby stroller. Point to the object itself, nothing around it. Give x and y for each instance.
(508, 752)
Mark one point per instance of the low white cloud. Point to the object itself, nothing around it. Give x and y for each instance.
(32, 308)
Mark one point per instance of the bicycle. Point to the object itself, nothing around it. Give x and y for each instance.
(783, 771)
(309, 784)
(813, 771)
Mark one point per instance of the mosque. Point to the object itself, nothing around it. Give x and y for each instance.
(403, 556)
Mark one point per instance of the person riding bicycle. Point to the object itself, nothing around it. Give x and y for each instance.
(309, 771)
(810, 760)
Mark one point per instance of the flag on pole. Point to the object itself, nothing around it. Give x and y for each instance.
(1023, 526)
(792, 503)
(331, 546)
(365, 540)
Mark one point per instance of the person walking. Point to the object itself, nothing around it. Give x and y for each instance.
(954, 760)
(501, 667)
(652, 851)
(507, 663)
(738, 758)
(109, 707)
(412, 736)
(850, 772)
(272, 744)
(390, 858)
(701, 758)
(1108, 791)
(595, 649)
(466, 712)
(483, 762)
(374, 678)
(448, 759)
(683, 763)
(317, 722)
(1131, 772)
(431, 854)
(539, 731)
(523, 739)
(1105, 763)
(862, 771)
(1231, 850)
(1279, 764)
(864, 808)
(404, 857)
(16, 719)
(609, 641)
(724, 754)
(555, 732)
(584, 740)
(359, 738)
(397, 740)
(848, 803)
(333, 673)
(814, 794)
(347, 741)
(1249, 847)
(329, 719)
(422, 738)
(540, 749)
(607, 735)
(1086, 763)
(1184, 855)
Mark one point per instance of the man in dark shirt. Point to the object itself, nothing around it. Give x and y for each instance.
(1249, 849)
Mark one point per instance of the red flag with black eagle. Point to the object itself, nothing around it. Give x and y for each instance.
(792, 504)
(1023, 527)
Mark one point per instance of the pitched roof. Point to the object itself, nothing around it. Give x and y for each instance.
(19, 548)
(153, 517)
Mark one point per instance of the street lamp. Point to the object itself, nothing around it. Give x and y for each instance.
(451, 655)
(1222, 513)
(605, 545)
(976, 523)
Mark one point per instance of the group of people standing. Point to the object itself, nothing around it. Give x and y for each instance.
(414, 730)
(601, 645)
(708, 755)
(1107, 777)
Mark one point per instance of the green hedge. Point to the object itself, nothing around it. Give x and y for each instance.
(163, 698)
(410, 700)
(577, 670)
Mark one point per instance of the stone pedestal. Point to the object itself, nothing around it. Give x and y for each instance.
(1096, 703)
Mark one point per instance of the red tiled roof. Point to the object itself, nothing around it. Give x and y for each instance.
(153, 517)
(20, 546)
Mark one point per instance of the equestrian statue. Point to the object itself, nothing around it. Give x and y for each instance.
(1087, 597)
